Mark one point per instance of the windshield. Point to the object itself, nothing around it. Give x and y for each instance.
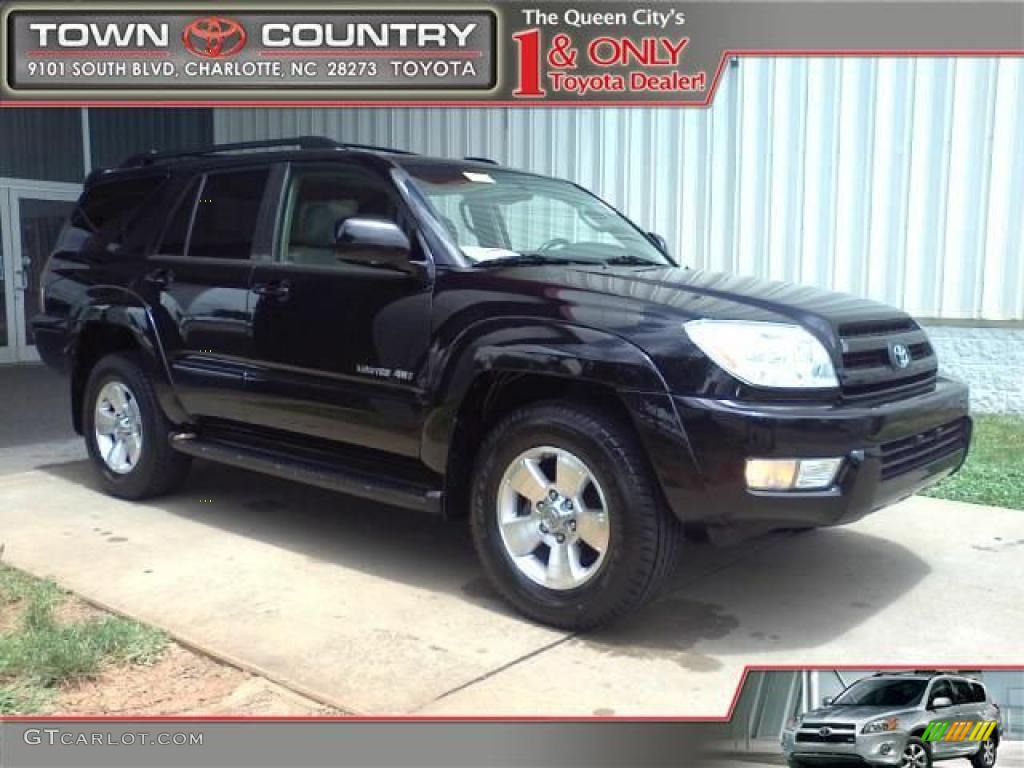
(882, 693)
(498, 215)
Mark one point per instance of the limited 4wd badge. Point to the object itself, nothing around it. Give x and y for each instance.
(384, 373)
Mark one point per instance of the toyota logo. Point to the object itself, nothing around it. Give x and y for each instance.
(825, 732)
(214, 37)
(900, 355)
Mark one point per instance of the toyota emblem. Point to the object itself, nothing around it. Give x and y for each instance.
(825, 732)
(900, 355)
(214, 37)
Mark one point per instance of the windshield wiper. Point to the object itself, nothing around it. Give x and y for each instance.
(533, 259)
(628, 260)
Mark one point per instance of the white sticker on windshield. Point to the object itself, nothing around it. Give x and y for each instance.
(479, 253)
(482, 178)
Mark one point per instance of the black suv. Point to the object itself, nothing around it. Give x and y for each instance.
(459, 338)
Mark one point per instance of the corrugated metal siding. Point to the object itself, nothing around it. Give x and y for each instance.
(899, 179)
(41, 144)
(117, 133)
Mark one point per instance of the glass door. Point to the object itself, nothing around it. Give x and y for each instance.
(7, 347)
(34, 217)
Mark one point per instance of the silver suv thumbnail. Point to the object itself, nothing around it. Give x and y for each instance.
(905, 719)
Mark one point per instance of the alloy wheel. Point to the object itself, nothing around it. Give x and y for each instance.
(914, 756)
(988, 752)
(117, 425)
(553, 518)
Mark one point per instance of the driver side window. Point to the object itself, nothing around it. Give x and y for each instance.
(318, 201)
(940, 690)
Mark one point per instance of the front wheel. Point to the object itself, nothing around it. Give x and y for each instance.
(916, 755)
(127, 434)
(985, 757)
(567, 517)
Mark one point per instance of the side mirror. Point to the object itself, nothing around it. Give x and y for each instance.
(942, 702)
(659, 242)
(827, 701)
(373, 241)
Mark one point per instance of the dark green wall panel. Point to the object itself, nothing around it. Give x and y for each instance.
(44, 144)
(118, 133)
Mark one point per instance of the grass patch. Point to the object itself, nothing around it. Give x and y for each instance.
(41, 653)
(994, 472)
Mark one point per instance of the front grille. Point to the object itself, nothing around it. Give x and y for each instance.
(879, 358)
(910, 453)
(868, 372)
(878, 327)
(836, 737)
(833, 726)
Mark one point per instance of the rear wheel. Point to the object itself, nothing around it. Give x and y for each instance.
(567, 517)
(127, 434)
(986, 755)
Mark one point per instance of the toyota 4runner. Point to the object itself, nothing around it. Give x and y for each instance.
(884, 720)
(467, 340)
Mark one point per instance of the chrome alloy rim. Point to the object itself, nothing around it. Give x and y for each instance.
(988, 752)
(553, 518)
(118, 427)
(914, 756)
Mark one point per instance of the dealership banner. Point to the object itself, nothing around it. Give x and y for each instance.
(342, 742)
(514, 53)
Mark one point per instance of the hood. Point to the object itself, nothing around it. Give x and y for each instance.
(856, 714)
(718, 296)
(648, 306)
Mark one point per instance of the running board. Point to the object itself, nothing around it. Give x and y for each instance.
(334, 478)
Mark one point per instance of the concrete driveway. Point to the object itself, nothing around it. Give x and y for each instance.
(376, 610)
(380, 611)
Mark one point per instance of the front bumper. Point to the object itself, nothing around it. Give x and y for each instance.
(876, 749)
(891, 451)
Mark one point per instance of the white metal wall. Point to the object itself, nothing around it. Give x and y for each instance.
(898, 179)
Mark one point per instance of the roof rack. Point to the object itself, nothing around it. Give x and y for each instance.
(481, 160)
(302, 142)
(376, 148)
(926, 672)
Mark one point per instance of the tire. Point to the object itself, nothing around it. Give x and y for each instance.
(619, 508)
(916, 749)
(987, 754)
(149, 467)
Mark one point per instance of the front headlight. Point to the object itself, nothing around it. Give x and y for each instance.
(881, 726)
(773, 355)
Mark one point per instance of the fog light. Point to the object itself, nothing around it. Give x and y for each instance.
(771, 474)
(791, 474)
(885, 749)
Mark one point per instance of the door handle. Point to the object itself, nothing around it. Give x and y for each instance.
(277, 290)
(160, 278)
(23, 274)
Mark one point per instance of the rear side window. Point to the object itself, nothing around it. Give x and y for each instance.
(962, 692)
(103, 214)
(217, 216)
(226, 215)
(977, 693)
